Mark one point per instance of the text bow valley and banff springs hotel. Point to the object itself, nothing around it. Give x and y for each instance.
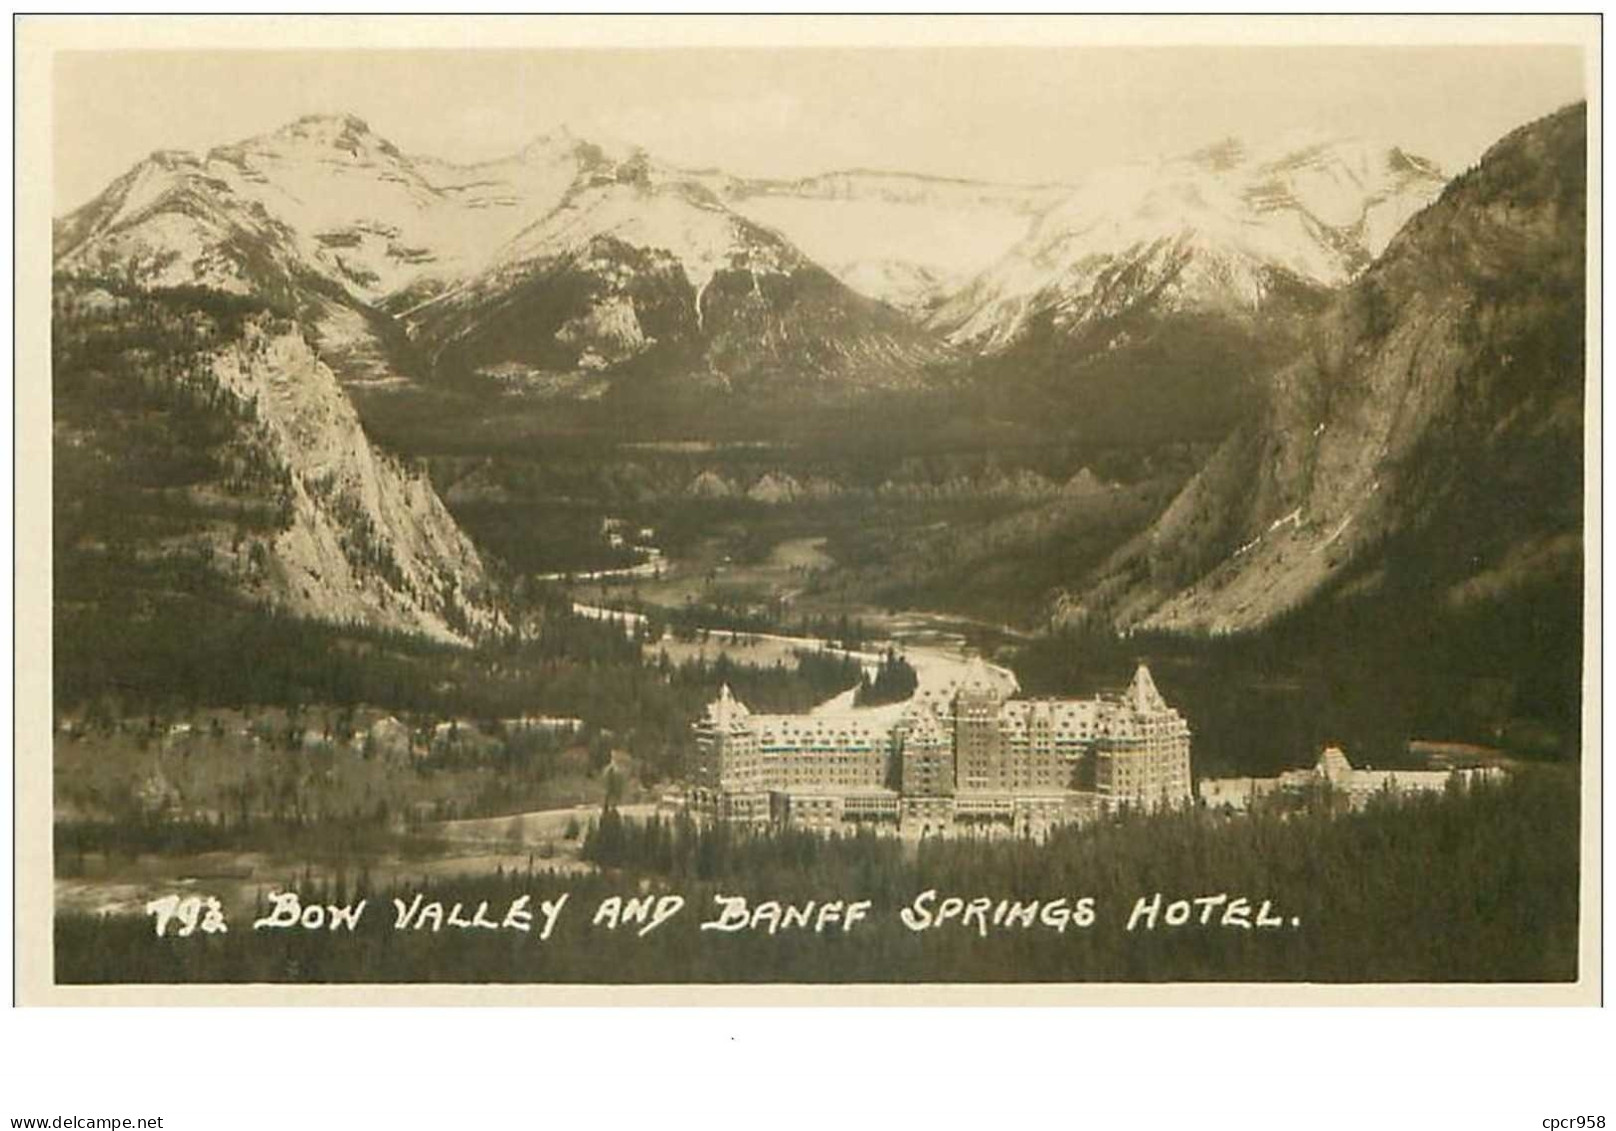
(962, 757)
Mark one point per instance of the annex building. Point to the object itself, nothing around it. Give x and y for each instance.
(1334, 775)
(964, 757)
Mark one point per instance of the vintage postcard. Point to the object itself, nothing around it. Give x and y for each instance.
(808, 510)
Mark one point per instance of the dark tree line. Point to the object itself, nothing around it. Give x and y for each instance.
(895, 680)
(1474, 886)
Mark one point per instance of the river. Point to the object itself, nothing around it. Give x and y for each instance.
(932, 644)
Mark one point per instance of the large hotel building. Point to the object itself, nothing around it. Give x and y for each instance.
(965, 756)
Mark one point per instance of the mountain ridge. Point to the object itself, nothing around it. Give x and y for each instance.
(324, 205)
(1203, 231)
(950, 252)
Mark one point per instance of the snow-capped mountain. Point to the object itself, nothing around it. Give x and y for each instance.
(1216, 231)
(637, 264)
(910, 241)
(545, 269)
(314, 221)
(322, 197)
(608, 256)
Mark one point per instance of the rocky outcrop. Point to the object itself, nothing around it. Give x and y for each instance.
(710, 485)
(772, 488)
(368, 541)
(1084, 484)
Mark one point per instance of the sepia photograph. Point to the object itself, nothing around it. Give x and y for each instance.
(810, 519)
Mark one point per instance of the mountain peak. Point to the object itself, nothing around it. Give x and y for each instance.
(1400, 160)
(174, 159)
(343, 131)
(1302, 144)
(596, 152)
(1308, 137)
(560, 137)
(1205, 231)
(1222, 155)
(349, 123)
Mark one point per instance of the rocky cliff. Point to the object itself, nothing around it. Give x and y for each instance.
(1430, 436)
(368, 540)
(195, 431)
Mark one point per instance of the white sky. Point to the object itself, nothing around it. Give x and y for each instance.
(1010, 114)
